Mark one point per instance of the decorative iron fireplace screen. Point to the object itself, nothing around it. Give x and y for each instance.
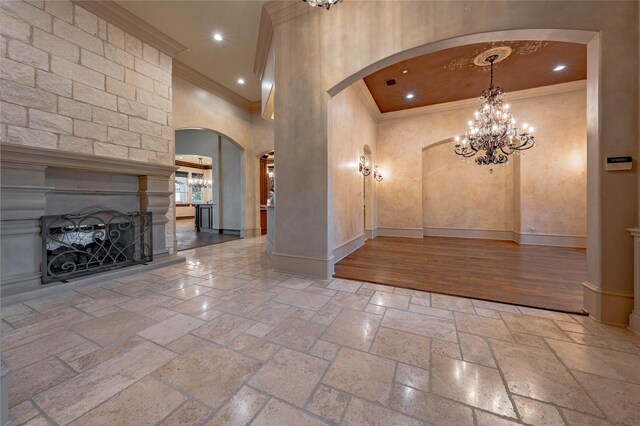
(94, 240)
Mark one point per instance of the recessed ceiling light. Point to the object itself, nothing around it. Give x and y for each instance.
(405, 71)
(241, 81)
(559, 67)
(217, 36)
(410, 96)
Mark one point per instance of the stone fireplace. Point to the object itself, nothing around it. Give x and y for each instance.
(39, 182)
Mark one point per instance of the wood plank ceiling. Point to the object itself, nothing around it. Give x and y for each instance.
(450, 75)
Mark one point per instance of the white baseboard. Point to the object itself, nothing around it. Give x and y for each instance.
(485, 234)
(520, 238)
(301, 265)
(347, 248)
(607, 307)
(371, 233)
(400, 232)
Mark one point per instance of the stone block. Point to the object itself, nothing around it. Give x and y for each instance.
(167, 131)
(146, 127)
(86, 20)
(26, 54)
(109, 150)
(115, 36)
(143, 155)
(28, 96)
(161, 89)
(157, 116)
(53, 83)
(110, 118)
(165, 158)
(15, 115)
(74, 144)
(17, 72)
(61, 9)
(152, 71)
(132, 45)
(94, 96)
(150, 54)
(118, 55)
(77, 73)
(102, 29)
(129, 107)
(31, 137)
(102, 65)
(165, 62)
(77, 36)
(138, 80)
(27, 13)
(56, 123)
(56, 46)
(14, 28)
(74, 109)
(123, 137)
(88, 129)
(155, 144)
(119, 88)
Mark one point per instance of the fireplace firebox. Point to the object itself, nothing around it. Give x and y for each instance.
(94, 240)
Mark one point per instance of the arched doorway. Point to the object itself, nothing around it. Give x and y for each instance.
(210, 190)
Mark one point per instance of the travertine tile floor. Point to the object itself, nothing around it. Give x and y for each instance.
(222, 339)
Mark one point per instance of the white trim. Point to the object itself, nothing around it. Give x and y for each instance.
(362, 91)
(555, 89)
(556, 240)
(607, 307)
(30, 287)
(117, 15)
(371, 233)
(302, 265)
(385, 231)
(484, 234)
(578, 241)
(349, 247)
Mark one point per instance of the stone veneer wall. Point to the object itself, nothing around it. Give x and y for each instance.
(73, 82)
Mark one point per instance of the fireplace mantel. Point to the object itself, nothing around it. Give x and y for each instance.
(38, 182)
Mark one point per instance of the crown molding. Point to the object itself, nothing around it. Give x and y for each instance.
(555, 89)
(115, 14)
(361, 89)
(187, 73)
(265, 34)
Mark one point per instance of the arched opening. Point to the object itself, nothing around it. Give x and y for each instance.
(401, 204)
(210, 189)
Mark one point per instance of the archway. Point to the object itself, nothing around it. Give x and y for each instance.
(584, 37)
(216, 210)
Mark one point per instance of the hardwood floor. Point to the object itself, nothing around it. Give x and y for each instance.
(501, 271)
(188, 238)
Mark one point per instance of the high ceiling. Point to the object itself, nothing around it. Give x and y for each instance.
(193, 23)
(450, 75)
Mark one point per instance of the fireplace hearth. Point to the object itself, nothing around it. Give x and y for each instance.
(94, 240)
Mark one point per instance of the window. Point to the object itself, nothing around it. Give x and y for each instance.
(182, 188)
(196, 193)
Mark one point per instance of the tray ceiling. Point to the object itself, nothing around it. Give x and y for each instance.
(450, 75)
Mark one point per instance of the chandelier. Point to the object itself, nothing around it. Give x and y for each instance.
(200, 182)
(493, 129)
(325, 4)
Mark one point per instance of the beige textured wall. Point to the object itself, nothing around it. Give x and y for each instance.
(352, 127)
(457, 194)
(195, 107)
(71, 81)
(550, 179)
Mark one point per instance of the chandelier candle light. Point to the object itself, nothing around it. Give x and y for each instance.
(493, 129)
(200, 182)
(325, 4)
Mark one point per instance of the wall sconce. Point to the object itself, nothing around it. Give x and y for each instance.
(377, 174)
(364, 167)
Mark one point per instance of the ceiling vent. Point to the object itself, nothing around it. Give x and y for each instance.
(391, 82)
